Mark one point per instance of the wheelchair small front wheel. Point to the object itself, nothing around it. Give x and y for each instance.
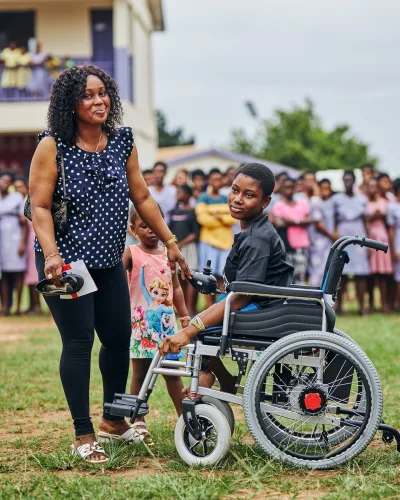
(223, 407)
(214, 443)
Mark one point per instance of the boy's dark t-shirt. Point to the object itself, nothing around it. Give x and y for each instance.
(259, 255)
(183, 222)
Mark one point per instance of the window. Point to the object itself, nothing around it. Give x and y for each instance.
(16, 27)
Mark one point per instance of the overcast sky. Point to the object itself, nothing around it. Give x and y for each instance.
(345, 55)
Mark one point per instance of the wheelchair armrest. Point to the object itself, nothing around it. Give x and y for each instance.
(260, 289)
(304, 287)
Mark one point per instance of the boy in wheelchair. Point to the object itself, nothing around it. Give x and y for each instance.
(258, 255)
(311, 398)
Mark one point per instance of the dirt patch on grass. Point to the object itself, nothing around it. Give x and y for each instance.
(12, 337)
(268, 493)
(238, 413)
(33, 425)
(16, 329)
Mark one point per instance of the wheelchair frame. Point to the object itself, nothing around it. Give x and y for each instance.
(136, 406)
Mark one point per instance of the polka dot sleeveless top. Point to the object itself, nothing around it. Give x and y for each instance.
(97, 194)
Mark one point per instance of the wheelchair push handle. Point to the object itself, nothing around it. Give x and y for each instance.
(376, 245)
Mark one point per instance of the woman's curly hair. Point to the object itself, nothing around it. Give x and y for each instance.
(67, 92)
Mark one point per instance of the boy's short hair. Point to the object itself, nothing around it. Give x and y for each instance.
(162, 164)
(262, 174)
(382, 175)
(350, 172)
(281, 174)
(214, 171)
(186, 188)
(367, 165)
(198, 173)
(147, 171)
(133, 214)
(323, 181)
(396, 186)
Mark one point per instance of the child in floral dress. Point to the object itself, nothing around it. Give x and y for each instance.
(154, 292)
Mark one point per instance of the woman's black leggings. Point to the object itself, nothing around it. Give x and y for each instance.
(108, 312)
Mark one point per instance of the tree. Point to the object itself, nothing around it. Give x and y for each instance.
(173, 137)
(297, 138)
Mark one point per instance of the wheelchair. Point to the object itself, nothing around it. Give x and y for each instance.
(311, 398)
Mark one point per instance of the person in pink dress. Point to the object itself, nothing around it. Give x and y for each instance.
(380, 263)
(31, 275)
(154, 294)
(294, 216)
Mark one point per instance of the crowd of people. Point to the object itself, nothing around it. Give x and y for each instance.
(307, 214)
(17, 258)
(30, 73)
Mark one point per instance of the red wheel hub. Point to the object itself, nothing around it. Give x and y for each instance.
(312, 401)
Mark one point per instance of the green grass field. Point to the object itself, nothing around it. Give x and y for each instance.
(36, 434)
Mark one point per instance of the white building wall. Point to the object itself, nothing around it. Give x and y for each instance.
(71, 35)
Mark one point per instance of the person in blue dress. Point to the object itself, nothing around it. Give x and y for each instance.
(350, 210)
(321, 232)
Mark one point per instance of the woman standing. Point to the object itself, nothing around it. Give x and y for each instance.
(393, 220)
(101, 173)
(321, 232)
(39, 83)
(380, 262)
(294, 216)
(12, 244)
(350, 209)
(31, 274)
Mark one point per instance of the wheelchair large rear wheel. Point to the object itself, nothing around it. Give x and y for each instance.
(313, 399)
(333, 435)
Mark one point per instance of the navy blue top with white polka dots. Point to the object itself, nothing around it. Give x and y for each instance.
(97, 193)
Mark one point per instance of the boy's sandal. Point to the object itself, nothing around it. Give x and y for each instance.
(130, 436)
(86, 450)
(141, 429)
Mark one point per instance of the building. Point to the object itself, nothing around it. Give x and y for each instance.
(192, 157)
(112, 34)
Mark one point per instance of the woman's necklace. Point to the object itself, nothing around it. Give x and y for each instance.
(98, 144)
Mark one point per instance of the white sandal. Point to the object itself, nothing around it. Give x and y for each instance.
(130, 436)
(86, 450)
(141, 429)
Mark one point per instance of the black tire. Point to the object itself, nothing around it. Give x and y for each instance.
(223, 407)
(293, 451)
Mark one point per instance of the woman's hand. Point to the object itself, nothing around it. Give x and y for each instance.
(174, 343)
(53, 267)
(175, 257)
(185, 322)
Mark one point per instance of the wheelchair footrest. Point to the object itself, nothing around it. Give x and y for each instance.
(125, 405)
(389, 433)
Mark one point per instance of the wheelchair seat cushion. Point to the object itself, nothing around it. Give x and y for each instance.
(275, 321)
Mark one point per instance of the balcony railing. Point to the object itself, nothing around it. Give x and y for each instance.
(36, 84)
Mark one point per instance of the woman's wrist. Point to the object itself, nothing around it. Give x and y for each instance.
(51, 256)
(173, 240)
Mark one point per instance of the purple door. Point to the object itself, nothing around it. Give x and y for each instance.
(102, 39)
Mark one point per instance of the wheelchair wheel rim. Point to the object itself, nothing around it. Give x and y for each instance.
(207, 444)
(319, 446)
